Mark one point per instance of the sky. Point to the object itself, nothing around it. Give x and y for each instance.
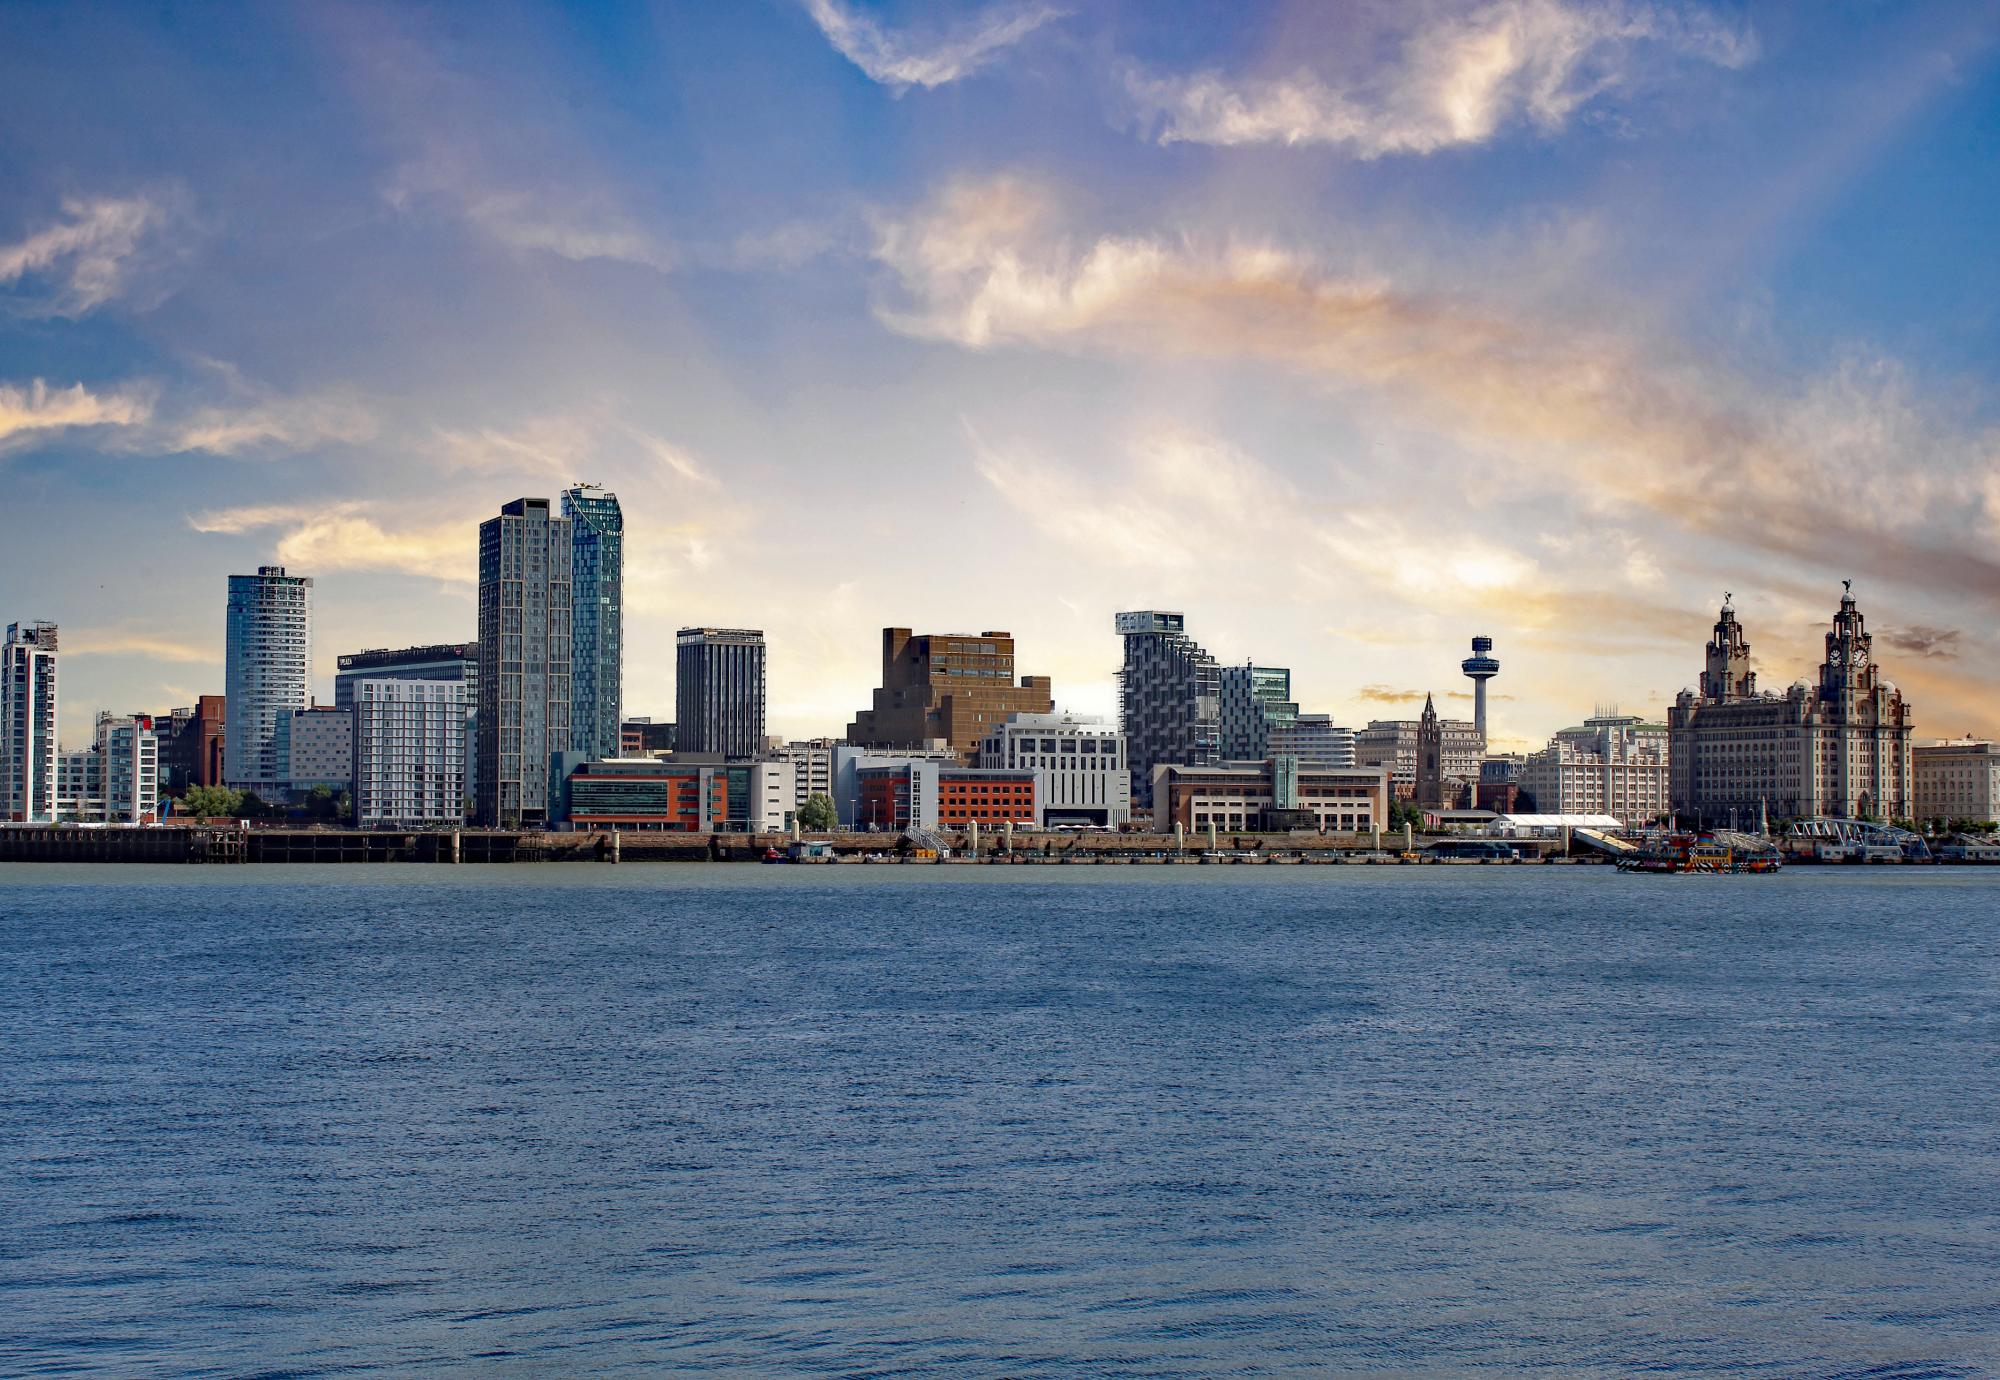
(1352, 330)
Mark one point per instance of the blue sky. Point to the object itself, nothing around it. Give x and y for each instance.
(1351, 329)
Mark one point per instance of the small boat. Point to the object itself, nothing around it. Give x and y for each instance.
(1715, 853)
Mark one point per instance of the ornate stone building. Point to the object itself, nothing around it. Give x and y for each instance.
(1838, 748)
(1430, 791)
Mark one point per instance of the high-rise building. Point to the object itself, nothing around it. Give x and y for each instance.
(1254, 700)
(128, 766)
(1169, 699)
(268, 674)
(409, 752)
(641, 737)
(29, 753)
(719, 691)
(524, 660)
(1315, 739)
(1839, 748)
(950, 686)
(597, 611)
(445, 661)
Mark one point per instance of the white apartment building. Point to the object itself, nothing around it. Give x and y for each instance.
(1612, 765)
(1312, 738)
(267, 674)
(1083, 776)
(1957, 779)
(773, 794)
(116, 780)
(28, 745)
(812, 766)
(408, 765)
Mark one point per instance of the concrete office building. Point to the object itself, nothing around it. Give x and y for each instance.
(1315, 739)
(524, 660)
(29, 750)
(949, 686)
(1169, 698)
(847, 762)
(408, 763)
(1083, 777)
(597, 533)
(916, 793)
(1958, 779)
(1838, 748)
(267, 675)
(1254, 701)
(719, 691)
(320, 749)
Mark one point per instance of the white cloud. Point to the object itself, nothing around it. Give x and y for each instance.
(900, 61)
(283, 423)
(1459, 80)
(348, 536)
(113, 642)
(37, 409)
(84, 260)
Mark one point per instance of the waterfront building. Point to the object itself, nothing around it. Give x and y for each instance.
(1480, 667)
(597, 604)
(719, 691)
(128, 768)
(1169, 698)
(191, 743)
(648, 794)
(848, 760)
(641, 737)
(320, 749)
(267, 675)
(524, 660)
(80, 786)
(1314, 739)
(29, 749)
(438, 661)
(1083, 775)
(1612, 764)
(1253, 702)
(1275, 795)
(917, 793)
(408, 763)
(1837, 748)
(773, 795)
(949, 686)
(1958, 779)
(1392, 745)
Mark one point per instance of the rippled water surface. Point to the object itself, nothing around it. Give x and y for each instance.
(1197, 1121)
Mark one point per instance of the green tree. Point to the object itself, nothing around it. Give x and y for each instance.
(818, 814)
(201, 802)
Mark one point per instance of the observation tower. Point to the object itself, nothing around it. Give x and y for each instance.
(1480, 667)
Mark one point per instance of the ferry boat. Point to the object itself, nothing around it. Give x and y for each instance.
(1707, 853)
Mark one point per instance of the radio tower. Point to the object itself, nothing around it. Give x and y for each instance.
(1481, 667)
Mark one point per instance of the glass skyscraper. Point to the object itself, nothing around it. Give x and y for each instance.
(597, 617)
(524, 660)
(267, 675)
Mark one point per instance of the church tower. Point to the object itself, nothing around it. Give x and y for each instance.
(1728, 675)
(1430, 759)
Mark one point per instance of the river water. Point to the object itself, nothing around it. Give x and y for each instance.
(1167, 1122)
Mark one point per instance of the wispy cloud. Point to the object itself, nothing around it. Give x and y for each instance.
(1460, 78)
(115, 642)
(36, 410)
(274, 423)
(349, 536)
(1626, 422)
(1939, 644)
(900, 61)
(83, 260)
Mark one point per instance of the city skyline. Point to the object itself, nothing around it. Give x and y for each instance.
(1044, 316)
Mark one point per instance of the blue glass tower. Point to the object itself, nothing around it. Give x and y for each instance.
(597, 611)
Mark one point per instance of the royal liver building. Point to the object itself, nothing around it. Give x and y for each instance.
(1840, 748)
